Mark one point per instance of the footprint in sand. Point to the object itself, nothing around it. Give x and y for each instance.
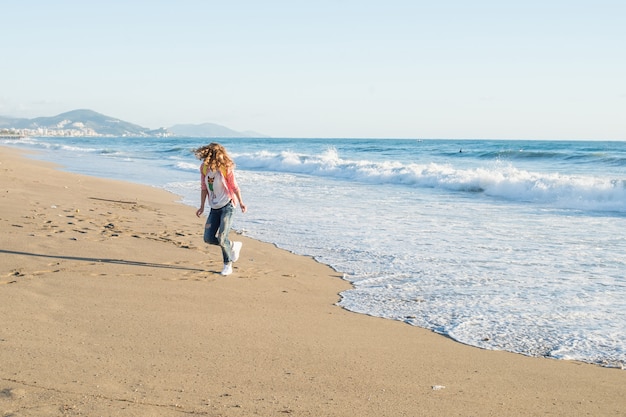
(12, 393)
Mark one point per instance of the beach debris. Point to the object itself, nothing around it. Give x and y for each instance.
(438, 387)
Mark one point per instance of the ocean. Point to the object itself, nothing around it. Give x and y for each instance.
(500, 244)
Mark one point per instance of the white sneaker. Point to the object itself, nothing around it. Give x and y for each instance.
(228, 269)
(236, 249)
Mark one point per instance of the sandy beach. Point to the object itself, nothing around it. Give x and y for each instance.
(112, 305)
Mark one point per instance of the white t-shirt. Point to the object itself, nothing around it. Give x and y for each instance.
(216, 186)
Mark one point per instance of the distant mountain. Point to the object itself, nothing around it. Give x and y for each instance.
(85, 122)
(209, 130)
(6, 121)
(90, 123)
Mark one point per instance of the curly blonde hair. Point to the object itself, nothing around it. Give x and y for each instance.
(215, 157)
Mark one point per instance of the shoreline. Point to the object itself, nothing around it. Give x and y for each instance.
(113, 305)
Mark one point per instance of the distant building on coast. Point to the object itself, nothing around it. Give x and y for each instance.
(11, 134)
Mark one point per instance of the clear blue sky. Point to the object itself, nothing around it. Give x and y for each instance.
(530, 69)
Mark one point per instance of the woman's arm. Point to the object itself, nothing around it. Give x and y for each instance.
(233, 187)
(203, 195)
(243, 206)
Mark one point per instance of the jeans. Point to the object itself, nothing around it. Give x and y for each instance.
(217, 229)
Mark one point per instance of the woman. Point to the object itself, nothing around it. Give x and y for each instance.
(219, 186)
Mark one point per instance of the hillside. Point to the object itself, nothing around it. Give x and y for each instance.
(209, 130)
(85, 122)
(77, 123)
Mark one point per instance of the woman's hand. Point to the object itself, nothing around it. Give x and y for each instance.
(243, 207)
